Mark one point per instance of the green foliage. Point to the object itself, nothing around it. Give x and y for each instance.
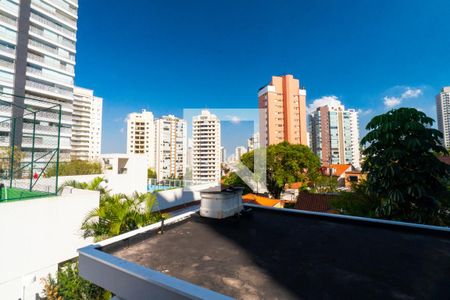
(356, 203)
(232, 179)
(5, 159)
(403, 170)
(120, 213)
(75, 167)
(325, 184)
(69, 285)
(151, 173)
(96, 184)
(286, 163)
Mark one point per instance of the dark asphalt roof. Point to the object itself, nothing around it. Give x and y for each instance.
(281, 255)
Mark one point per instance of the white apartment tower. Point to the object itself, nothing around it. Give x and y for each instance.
(253, 142)
(206, 147)
(87, 125)
(443, 114)
(37, 59)
(170, 147)
(335, 135)
(141, 135)
(238, 152)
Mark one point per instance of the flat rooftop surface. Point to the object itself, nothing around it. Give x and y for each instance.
(281, 255)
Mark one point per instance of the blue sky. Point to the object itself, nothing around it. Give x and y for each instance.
(166, 56)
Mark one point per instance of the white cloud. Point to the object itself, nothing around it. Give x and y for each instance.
(411, 93)
(365, 112)
(325, 100)
(392, 101)
(234, 119)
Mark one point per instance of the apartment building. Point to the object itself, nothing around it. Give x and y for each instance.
(37, 59)
(206, 147)
(253, 142)
(141, 135)
(170, 147)
(238, 152)
(87, 125)
(443, 114)
(284, 102)
(335, 135)
(223, 154)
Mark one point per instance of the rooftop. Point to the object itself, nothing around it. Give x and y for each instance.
(280, 254)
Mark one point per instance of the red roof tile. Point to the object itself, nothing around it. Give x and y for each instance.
(314, 202)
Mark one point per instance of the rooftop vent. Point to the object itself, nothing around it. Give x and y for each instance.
(220, 204)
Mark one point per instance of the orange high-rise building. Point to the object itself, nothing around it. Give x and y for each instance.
(285, 117)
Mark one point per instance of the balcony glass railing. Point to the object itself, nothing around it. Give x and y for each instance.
(7, 49)
(53, 25)
(55, 12)
(7, 64)
(53, 37)
(9, 7)
(61, 78)
(8, 20)
(67, 68)
(64, 5)
(49, 88)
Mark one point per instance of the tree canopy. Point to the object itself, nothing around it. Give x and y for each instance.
(286, 163)
(402, 169)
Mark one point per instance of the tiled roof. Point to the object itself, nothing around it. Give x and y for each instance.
(314, 202)
(264, 201)
(340, 169)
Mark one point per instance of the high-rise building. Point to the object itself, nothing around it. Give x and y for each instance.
(87, 125)
(443, 114)
(37, 59)
(206, 148)
(335, 135)
(171, 147)
(141, 135)
(285, 117)
(239, 151)
(223, 155)
(253, 142)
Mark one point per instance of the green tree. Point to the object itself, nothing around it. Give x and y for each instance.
(325, 184)
(286, 163)
(69, 285)
(75, 167)
(151, 173)
(402, 169)
(5, 161)
(232, 179)
(96, 184)
(120, 213)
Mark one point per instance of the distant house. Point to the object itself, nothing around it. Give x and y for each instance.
(263, 201)
(346, 174)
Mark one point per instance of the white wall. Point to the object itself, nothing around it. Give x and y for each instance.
(36, 235)
(179, 196)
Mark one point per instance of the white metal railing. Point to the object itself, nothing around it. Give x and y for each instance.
(56, 39)
(68, 68)
(7, 64)
(9, 6)
(43, 46)
(64, 5)
(7, 49)
(54, 12)
(8, 20)
(48, 75)
(53, 25)
(49, 88)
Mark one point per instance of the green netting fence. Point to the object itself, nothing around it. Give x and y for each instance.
(30, 136)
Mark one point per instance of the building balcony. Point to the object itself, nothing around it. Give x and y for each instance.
(42, 21)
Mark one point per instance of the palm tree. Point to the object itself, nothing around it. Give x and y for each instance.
(96, 184)
(119, 214)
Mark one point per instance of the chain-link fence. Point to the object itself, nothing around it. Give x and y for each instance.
(30, 137)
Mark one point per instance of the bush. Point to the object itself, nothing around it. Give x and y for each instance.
(75, 167)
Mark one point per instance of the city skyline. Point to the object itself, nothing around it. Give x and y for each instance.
(345, 53)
